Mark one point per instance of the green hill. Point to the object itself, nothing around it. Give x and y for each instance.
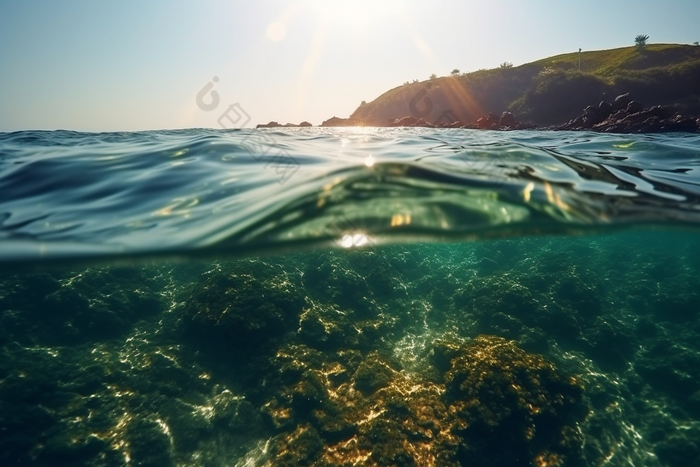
(552, 90)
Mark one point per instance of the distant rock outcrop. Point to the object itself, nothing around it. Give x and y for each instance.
(287, 125)
(336, 121)
(268, 125)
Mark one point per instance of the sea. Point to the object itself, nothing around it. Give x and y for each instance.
(349, 297)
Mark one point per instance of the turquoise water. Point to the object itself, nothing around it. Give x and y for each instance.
(68, 194)
(349, 297)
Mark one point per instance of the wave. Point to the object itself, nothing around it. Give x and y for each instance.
(189, 192)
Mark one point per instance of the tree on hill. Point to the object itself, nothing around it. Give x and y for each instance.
(454, 72)
(641, 40)
(696, 43)
(506, 65)
(433, 76)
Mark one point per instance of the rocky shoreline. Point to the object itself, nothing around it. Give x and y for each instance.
(623, 115)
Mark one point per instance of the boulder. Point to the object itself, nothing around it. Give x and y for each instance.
(488, 122)
(681, 123)
(634, 107)
(590, 111)
(507, 120)
(336, 121)
(591, 116)
(422, 123)
(268, 125)
(621, 101)
(605, 109)
(404, 121)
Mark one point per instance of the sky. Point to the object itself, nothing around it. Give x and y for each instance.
(140, 65)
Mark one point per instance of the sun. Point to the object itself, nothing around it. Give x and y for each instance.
(352, 12)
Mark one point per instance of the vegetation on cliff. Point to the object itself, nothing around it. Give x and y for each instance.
(549, 91)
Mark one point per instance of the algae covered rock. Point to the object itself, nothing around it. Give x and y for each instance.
(327, 328)
(373, 374)
(235, 310)
(149, 442)
(503, 396)
(333, 411)
(72, 308)
(362, 408)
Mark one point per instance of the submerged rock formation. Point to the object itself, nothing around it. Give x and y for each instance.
(344, 409)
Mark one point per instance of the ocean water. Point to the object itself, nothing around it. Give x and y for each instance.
(349, 296)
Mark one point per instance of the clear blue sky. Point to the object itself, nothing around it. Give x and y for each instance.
(131, 65)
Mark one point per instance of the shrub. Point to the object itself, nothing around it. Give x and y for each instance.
(506, 65)
(641, 40)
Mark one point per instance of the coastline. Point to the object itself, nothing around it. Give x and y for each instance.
(622, 115)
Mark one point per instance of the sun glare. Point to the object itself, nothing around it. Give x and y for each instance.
(353, 12)
(276, 31)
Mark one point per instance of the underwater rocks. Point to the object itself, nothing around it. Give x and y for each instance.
(356, 296)
(238, 312)
(336, 358)
(343, 409)
(625, 115)
(559, 303)
(131, 394)
(72, 308)
(503, 396)
(672, 369)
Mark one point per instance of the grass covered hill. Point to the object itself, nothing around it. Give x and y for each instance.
(552, 90)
